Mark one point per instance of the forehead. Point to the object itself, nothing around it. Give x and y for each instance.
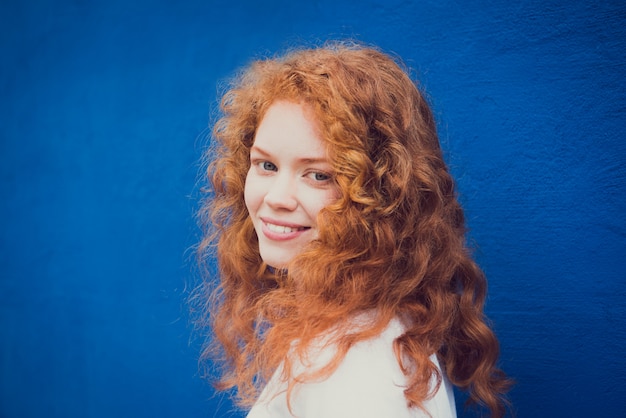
(289, 127)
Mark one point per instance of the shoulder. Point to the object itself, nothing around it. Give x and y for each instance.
(368, 383)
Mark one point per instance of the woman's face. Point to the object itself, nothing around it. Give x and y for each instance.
(290, 180)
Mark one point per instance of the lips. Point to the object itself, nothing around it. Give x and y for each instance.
(281, 229)
(276, 231)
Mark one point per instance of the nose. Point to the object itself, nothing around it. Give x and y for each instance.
(282, 193)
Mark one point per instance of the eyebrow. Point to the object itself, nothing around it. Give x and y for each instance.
(307, 160)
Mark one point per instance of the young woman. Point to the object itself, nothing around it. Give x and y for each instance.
(345, 288)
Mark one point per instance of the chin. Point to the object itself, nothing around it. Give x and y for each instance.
(276, 261)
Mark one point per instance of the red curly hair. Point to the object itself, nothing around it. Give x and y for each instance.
(392, 243)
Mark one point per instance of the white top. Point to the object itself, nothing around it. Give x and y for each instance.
(367, 384)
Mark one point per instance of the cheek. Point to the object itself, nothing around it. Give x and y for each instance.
(322, 200)
(249, 194)
(331, 195)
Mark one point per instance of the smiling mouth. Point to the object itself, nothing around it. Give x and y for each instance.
(280, 229)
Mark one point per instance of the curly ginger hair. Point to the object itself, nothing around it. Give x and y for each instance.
(392, 243)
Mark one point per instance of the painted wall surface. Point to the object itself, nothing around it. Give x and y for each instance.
(103, 111)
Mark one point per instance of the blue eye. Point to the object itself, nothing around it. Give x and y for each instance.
(321, 176)
(266, 165)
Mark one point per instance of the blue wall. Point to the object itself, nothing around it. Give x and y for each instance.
(103, 111)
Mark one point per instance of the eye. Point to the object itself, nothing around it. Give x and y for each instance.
(267, 166)
(320, 176)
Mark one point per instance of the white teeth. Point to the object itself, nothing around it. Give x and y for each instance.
(279, 229)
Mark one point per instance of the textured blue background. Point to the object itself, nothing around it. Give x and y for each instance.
(103, 111)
